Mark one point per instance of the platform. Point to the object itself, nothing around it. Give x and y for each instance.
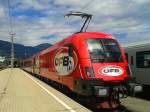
(21, 92)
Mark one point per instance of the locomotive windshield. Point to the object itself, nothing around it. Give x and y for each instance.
(104, 50)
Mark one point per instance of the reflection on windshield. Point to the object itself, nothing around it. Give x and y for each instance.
(104, 50)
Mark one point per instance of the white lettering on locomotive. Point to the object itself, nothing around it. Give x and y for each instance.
(64, 64)
(111, 70)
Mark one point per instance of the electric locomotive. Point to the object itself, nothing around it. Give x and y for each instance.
(90, 64)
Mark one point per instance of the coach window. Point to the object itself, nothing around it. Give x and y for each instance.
(143, 59)
(126, 56)
(131, 60)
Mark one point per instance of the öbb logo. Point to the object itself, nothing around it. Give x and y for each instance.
(63, 63)
(111, 70)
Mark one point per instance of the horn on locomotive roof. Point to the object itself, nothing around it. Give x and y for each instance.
(87, 17)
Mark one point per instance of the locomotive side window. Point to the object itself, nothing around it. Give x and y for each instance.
(104, 50)
(70, 51)
(143, 59)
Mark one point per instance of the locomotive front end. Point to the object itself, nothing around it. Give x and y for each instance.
(109, 64)
(107, 74)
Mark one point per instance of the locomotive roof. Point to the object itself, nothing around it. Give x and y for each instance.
(93, 34)
(81, 35)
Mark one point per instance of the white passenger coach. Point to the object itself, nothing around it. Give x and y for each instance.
(138, 56)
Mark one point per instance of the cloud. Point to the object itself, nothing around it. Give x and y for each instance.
(2, 12)
(31, 33)
(36, 20)
(31, 4)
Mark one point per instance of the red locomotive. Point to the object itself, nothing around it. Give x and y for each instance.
(90, 64)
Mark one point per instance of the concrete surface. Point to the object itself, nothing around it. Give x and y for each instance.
(21, 92)
(132, 104)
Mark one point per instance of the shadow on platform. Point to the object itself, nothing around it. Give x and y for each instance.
(145, 94)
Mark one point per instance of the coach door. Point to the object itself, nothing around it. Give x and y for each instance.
(37, 65)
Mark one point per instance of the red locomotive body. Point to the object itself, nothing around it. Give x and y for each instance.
(90, 64)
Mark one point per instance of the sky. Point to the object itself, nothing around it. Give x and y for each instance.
(42, 21)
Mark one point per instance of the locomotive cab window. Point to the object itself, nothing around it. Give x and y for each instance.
(143, 59)
(104, 50)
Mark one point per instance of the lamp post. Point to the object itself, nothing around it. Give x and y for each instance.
(12, 50)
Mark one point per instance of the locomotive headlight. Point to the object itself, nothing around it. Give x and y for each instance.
(89, 71)
(135, 88)
(101, 91)
(138, 88)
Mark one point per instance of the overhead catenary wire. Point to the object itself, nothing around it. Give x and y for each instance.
(81, 9)
(61, 26)
(86, 5)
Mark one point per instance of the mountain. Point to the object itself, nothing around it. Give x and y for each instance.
(21, 51)
(43, 46)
